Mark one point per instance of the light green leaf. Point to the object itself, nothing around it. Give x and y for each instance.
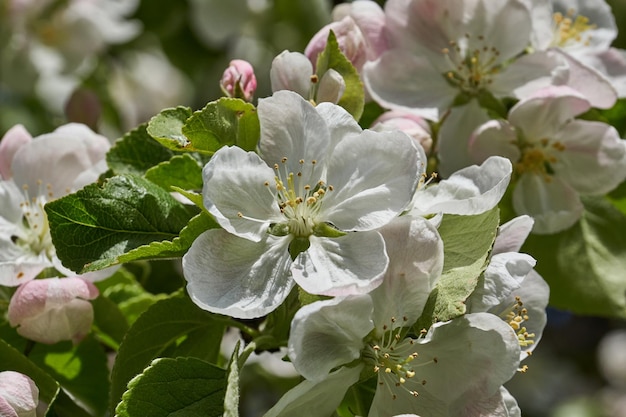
(225, 122)
(585, 264)
(353, 98)
(175, 387)
(467, 244)
(166, 128)
(94, 226)
(181, 171)
(169, 323)
(12, 360)
(81, 370)
(136, 152)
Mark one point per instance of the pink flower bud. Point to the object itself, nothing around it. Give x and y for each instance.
(291, 71)
(407, 122)
(359, 29)
(53, 309)
(239, 80)
(19, 395)
(9, 144)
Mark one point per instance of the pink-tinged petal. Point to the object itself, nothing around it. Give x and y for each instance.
(455, 134)
(589, 82)
(291, 71)
(407, 122)
(14, 139)
(291, 127)
(230, 275)
(50, 163)
(612, 64)
(530, 73)
(235, 193)
(350, 264)
(398, 80)
(370, 18)
(594, 159)
(469, 191)
(19, 396)
(512, 235)
(53, 309)
(376, 184)
(543, 114)
(496, 137)
(327, 334)
(322, 398)
(553, 204)
(415, 252)
(349, 37)
(239, 80)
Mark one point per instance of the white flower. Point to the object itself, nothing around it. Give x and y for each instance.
(434, 374)
(556, 157)
(19, 395)
(39, 170)
(53, 309)
(306, 210)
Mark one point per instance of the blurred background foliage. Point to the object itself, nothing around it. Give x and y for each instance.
(177, 57)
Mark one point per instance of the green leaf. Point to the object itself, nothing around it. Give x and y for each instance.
(136, 152)
(585, 264)
(93, 227)
(467, 244)
(162, 326)
(109, 322)
(353, 98)
(166, 128)
(81, 370)
(181, 387)
(12, 360)
(181, 171)
(175, 248)
(225, 122)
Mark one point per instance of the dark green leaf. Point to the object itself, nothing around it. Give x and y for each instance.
(93, 227)
(225, 122)
(175, 387)
(160, 327)
(136, 152)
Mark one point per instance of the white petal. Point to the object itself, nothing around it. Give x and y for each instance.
(529, 73)
(233, 276)
(340, 123)
(554, 205)
(594, 159)
(350, 264)
(415, 252)
(502, 277)
(496, 137)
(374, 176)
(234, 185)
(501, 404)
(19, 395)
(604, 30)
(314, 399)
(11, 196)
(472, 190)
(9, 144)
(612, 64)
(327, 334)
(291, 128)
(291, 71)
(454, 136)
(13, 274)
(512, 234)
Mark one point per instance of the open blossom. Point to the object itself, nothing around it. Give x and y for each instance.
(305, 210)
(19, 396)
(239, 80)
(53, 309)
(443, 372)
(556, 157)
(35, 171)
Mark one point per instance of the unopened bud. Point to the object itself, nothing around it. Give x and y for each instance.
(54, 309)
(19, 396)
(409, 123)
(331, 87)
(9, 144)
(239, 80)
(291, 71)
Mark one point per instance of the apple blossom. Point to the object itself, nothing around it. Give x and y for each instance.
(556, 158)
(413, 374)
(34, 172)
(239, 80)
(305, 210)
(19, 395)
(408, 122)
(53, 309)
(293, 71)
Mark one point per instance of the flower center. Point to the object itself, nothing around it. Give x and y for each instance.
(35, 236)
(570, 30)
(516, 316)
(537, 158)
(298, 201)
(472, 67)
(392, 355)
